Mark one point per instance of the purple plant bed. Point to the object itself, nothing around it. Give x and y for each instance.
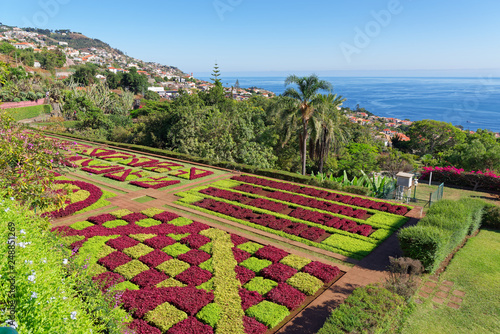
(278, 272)
(238, 240)
(155, 258)
(249, 298)
(271, 253)
(149, 278)
(243, 274)
(194, 276)
(322, 271)
(134, 217)
(122, 242)
(145, 300)
(113, 260)
(165, 216)
(195, 240)
(159, 242)
(101, 219)
(194, 257)
(286, 295)
(189, 299)
(108, 279)
(191, 325)
(240, 255)
(252, 326)
(142, 327)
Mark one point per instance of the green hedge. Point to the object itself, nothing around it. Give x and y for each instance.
(445, 226)
(369, 309)
(491, 217)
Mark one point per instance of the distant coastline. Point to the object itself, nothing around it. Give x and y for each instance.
(471, 102)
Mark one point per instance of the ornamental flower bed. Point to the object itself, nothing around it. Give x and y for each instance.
(181, 293)
(102, 169)
(191, 174)
(328, 195)
(486, 180)
(155, 182)
(139, 162)
(90, 195)
(126, 175)
(164, 166)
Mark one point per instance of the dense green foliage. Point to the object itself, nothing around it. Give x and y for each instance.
(445, 226)
(369, 309)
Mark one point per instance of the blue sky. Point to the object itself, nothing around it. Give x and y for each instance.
(282, 36)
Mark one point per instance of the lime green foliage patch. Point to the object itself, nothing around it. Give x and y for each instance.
(126, 285)
(165, 316)
(142, 237)
(207, 286)
(147, 222)
(100, 203)
(250, 247)
(131, 269)
(357, 246)
(181, 221)
(173, 267)
(93, 249)
(207, 265)
(176, 249)
(169, 283)
(270, 314)
(95, 269)
(177, 236)
(295, 261)
(261, 285)
(144, 199)
(255, 265)
(67, 241)
(120, 213)
(151, 212)
(138, 250)
(387, 220)
(306, 283)
(210, 314)
(104, 251)
(207, 247)
(115, 223)
(81, 225)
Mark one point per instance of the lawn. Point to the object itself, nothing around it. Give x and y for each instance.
(29, 112)
(452, 193)
(475, 269)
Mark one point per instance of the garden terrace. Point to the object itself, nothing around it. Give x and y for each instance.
(176, 273)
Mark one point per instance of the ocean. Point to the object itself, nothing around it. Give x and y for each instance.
(473, 103)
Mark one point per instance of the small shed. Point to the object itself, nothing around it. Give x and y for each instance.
(405, 179)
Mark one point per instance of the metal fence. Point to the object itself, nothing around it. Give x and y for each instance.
(436, 195)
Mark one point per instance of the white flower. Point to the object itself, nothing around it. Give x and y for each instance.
(12, 198)
(11, 323)
(65, 261)
(34, 295)
(28, 262)
(64, 298)
(22, 232)
(7, 210)
(32, 278)
(44, 260)
(73, 315)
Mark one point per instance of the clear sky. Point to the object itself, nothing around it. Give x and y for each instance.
(259, 36)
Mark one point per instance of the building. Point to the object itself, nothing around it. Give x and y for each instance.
(24, 45)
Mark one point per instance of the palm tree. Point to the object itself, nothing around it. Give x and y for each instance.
(307, 97)
(326, 132)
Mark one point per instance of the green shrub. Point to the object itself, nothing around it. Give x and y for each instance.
(270, 314)
(356, 190)
(353, 245)
(169, 283)
(207, 265)
(306, 283)
(255, 264)
(261, 285)
(125, 285)
(180, 221)
(207, 286)
(207, 247)
(151, 212)
(120, 213)
(491, 217)
(177, 236)
(81, 225)
(115, 223)
(210, 314)
(369, 309)
(445, 226)
(142, 237)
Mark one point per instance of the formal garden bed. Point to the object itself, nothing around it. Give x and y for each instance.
(323, 219)
(175, 273)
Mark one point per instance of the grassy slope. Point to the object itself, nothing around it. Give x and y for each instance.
(476, 270)
(29, 112)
